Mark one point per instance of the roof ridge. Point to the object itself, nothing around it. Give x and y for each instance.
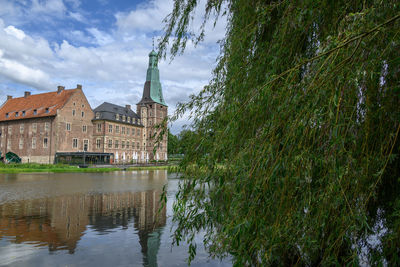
(45, 93)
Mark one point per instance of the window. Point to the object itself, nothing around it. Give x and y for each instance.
(33, 142)
(74, 104)
(47, 110)
(129, 119)
(34, 127)
(73, 112)
(35, 112)
(9, 130)
(21, 143)
(85, 145)
(133, 131)
(98, 144)
(83, 105)
(21, 129)
(151, 113)
(97, 115)
(23, 113)
(117, 129)
(137, 145)
(127, 130)
(16, 114)
(123, 118)
(110, 143)
(150, 122)
(99, 128)
(75, 143)
(83, 114)
(46, 126)
(110, 128)
(68, 126)
(9, 144)
(45, 142)
(123, 144)
(138, 132)
(127, 144)
(84, 128)
(116, 143)
(123, 130)
(117, 117)
(6, 115)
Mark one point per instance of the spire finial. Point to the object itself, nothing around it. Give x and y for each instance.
(153, 42)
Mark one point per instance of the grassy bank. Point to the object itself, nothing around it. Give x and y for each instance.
(33, 167)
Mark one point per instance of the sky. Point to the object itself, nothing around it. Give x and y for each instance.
(102, 45)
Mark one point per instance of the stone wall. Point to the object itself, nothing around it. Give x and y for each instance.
(27, 138)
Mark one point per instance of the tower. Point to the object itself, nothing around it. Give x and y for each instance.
(153, 110)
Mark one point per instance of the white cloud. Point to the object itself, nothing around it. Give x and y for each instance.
(77, 16)
(50, 7)
(11, 30)
(147, 17)
(102, 38)
(22, 74)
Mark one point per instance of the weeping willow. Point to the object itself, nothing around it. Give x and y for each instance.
(295, 154)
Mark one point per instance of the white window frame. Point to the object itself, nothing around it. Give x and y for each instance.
(74, 142)
(45, 144)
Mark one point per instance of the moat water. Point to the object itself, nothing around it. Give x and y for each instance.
(90, 219)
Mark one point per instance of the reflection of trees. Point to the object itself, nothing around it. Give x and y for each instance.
(60, 222)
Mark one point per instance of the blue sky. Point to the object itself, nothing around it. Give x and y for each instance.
(101, 44)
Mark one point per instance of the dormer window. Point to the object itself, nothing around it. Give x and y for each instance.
(123, 118)
(47, 110)
(23, 113)
(129, 119)
(34, 111)
(6, 115)
(97, 115)
(117, 117)
(16, 114)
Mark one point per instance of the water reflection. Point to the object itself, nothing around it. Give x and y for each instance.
(60, 222)
(97, 219)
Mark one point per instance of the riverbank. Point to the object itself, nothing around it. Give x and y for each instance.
(33, 167)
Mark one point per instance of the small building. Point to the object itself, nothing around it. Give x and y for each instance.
(61, 126)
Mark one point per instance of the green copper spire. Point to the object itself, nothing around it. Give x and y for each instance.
(152, 88)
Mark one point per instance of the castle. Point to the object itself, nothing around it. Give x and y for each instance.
(61, 127)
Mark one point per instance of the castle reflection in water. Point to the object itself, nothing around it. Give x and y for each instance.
(60, 222)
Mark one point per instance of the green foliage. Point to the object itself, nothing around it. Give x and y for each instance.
(172, 143)
(303, 113)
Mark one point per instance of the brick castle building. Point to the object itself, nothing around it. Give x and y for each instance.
(61, 126)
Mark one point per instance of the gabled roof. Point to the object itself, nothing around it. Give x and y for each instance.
(45, 104)
(107, 111)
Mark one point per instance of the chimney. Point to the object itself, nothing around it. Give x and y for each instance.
(79, 86)
(128, 107)
(9, 97)
(27, 93)
(60, 89)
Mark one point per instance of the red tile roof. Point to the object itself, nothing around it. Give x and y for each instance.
(41, 102)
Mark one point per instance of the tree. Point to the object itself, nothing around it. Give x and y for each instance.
(298, 133)
(173, 143)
